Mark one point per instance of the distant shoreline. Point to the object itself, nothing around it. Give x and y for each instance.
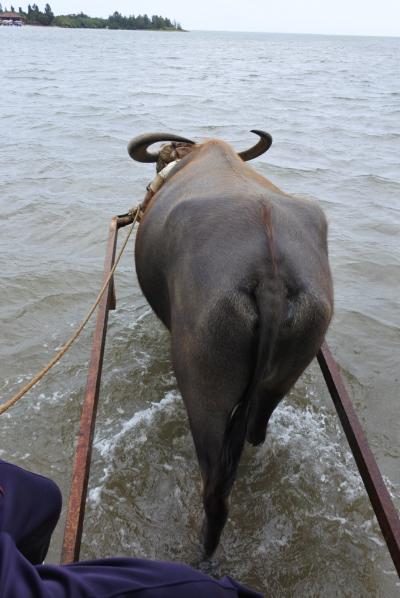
(35, 17)
(39, 25)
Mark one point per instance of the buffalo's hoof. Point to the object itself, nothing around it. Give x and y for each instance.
(256, 439)
(209, 540)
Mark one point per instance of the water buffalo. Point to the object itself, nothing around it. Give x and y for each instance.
(238, 271)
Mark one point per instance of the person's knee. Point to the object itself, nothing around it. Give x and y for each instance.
(53, 499)
(31, 508)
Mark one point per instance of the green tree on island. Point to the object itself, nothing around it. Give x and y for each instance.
(49, 14)
(34, 16)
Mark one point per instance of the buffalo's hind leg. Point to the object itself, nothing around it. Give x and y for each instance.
(213, 375)
(219, 479)
(219, 440)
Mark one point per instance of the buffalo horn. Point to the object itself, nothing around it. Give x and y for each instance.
(263, 144)
(137, 147)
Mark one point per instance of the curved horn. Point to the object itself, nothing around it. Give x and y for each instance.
(263, 144)
(137, 147)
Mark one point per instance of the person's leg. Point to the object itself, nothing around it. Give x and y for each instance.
(108, 578)
(139, 578)
(30, 506)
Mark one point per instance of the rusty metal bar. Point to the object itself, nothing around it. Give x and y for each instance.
(378, 494)
(81, 467)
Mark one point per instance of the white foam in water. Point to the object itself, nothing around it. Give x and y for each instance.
(132, 325)
(55, 397)
(106, 446)
(314, 438)
(95, 495)
(139, 422)
(316, 470)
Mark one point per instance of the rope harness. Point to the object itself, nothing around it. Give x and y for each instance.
(134, 213)
(161, 177)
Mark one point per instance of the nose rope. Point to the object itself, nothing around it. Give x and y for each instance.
(156, 185)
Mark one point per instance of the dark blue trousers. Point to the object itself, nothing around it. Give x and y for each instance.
(29, 509)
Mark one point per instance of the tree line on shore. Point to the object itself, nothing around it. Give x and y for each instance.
(34, 16)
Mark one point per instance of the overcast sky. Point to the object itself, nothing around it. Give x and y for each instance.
(353, 17)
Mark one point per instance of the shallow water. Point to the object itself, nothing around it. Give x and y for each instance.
(300, 521)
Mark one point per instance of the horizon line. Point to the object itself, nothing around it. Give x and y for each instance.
(375, 35)
(395, 36)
